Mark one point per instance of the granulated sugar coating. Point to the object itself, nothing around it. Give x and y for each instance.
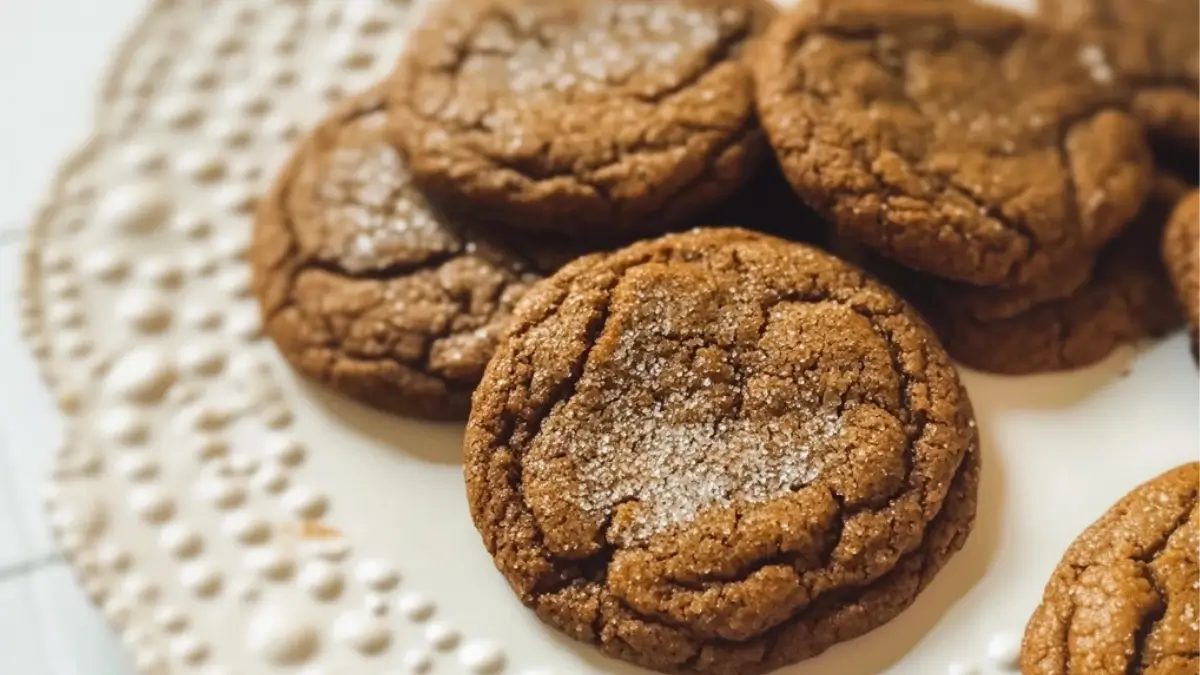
(719, 452)
(598, 118)
(364, 285)
(670, 478)
(1124, 597)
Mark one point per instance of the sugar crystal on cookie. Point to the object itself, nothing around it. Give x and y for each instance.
(371, 210)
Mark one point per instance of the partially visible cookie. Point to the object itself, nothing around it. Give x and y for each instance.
(1181, 252)
(1127, 298)
(1124, 599)
(994, 303)
(719, 452)
(365, 286)
(982, 303)
(1153, 44)
(959, 139)
(591, 118)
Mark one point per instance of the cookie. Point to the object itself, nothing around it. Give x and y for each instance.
(593, 119)
(1124, 600)
(1181, 252)
(365, 286)
(959, 139)
(1127, 298)
(1155, 45)
(719, 452)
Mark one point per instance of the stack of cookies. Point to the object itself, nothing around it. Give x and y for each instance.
(999, 168)
(627, 239)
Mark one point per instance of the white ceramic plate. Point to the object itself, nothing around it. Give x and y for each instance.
(193, 456)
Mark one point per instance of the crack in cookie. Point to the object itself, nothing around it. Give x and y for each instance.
(1153, 45)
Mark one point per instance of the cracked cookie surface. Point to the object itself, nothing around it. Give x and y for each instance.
(1126, 298)
(600, 119)
(1181, 252)
(1155, 46)
(366, 287)
(719, 452)
(956, 138)
(1124, 599)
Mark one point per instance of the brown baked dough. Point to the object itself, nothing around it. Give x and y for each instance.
(365, 286)
(994, 303)
(1124, 599)
(595, 119)
(719, 452)
(1153, 44)
(1181, 251)
(1127, 298)
(958, 139)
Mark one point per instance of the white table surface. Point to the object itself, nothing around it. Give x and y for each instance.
(52, 56)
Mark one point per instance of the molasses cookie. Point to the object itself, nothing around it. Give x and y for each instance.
(1181, 251)
(956, 138)
(1126, 298)
(592, 118)
(719, 452)
(992, 303)
(365, 286)
(1155, 46)
(1124, 600)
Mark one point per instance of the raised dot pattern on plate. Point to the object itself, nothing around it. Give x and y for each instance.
(166, 186)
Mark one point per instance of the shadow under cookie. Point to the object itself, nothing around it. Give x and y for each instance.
(421, 439)
(769, 204)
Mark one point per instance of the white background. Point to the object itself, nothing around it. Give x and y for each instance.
(53, 54)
